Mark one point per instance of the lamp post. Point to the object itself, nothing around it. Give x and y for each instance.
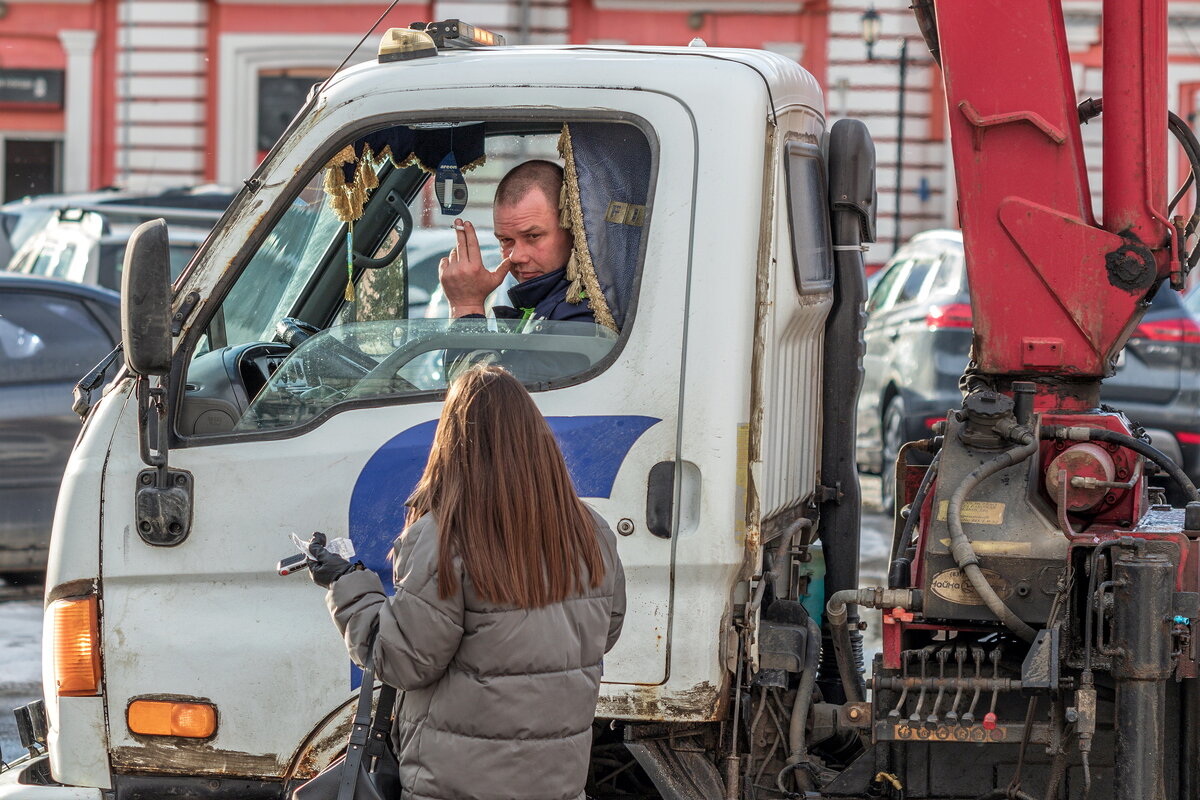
(870, 31)
(871, 25)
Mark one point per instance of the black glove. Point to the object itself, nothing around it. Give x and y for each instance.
(325, 567)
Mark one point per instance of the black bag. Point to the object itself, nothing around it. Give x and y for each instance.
(369, 770)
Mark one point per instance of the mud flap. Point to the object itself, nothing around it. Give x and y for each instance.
(677, 774)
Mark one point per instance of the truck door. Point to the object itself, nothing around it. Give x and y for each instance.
(331, 434)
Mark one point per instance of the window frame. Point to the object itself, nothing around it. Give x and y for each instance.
(321, 156)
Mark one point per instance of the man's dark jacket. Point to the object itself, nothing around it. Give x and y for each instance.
(547, 296)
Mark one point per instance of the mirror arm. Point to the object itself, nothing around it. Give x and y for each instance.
(152, 401)
(162, 496)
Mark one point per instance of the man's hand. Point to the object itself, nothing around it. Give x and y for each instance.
(463, 276)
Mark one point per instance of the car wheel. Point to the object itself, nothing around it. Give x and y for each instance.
(892, 436)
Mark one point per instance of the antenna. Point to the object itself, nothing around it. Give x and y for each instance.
(350, 55)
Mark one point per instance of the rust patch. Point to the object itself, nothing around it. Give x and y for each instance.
(700, 703)
(176, 756)
(76, 588)
(320, 753)
(325, 742)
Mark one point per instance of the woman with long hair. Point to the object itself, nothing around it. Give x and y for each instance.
(509, 592)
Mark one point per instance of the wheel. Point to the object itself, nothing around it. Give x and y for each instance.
(891, 440)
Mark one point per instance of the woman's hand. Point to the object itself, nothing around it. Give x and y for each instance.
(465, 279)
(325, 567)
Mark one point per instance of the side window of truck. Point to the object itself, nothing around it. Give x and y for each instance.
(808, 215)
(340, 305)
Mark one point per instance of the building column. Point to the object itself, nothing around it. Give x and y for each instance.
(77, 110)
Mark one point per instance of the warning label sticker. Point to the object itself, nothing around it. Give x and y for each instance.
(977, 512)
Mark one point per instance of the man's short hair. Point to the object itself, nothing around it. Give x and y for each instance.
(545, 176)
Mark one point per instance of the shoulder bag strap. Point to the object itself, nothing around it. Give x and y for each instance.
(359, 734)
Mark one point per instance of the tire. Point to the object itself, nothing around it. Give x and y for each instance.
(891, 436)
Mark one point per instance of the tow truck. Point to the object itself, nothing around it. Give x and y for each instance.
(1038, 616)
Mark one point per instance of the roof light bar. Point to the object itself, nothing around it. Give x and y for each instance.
(402, 44)
(456, 33)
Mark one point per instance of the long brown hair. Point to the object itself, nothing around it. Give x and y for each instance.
(499, 489)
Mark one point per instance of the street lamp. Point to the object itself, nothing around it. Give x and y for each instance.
(871, 25)
(870, 31)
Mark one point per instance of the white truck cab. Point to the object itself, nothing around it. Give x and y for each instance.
(262, 395)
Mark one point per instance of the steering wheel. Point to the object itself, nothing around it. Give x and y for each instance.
(379, 379)
(294, 332)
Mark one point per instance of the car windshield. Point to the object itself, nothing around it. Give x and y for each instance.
(112, 262)
(366, 360)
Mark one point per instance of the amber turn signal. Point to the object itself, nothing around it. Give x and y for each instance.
(76, 646)
(172, 718)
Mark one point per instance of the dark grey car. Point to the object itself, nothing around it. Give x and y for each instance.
(51, 333)
(918, 337)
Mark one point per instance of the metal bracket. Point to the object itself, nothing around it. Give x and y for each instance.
(1040, 671)
(980, 123)
(185, 310)
(163, 514)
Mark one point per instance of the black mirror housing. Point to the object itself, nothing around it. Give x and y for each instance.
(146, 300)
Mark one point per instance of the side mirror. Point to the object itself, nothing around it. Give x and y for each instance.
(146, 300)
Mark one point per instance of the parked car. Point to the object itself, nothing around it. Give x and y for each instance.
(52, 332)
(918, 337)
(21, 219)
(87, 245)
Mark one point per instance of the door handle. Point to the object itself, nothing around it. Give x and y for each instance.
(660, 499)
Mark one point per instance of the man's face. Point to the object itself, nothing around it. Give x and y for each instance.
(530, 237)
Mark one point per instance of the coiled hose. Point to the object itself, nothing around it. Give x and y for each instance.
(960, 545)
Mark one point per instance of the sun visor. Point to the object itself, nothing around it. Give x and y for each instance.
(351, 176)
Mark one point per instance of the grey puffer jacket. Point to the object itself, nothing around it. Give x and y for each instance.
(498, 701)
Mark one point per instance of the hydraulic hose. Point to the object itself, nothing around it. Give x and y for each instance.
(1084, 434)
(914, 511)
(798, 728)
(1006, 794)
(837, 615)
(960, 545)
(1183, 133)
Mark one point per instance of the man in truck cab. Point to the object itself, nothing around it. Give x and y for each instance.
(536, 249)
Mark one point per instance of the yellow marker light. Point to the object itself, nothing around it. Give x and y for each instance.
(172, 718)
(402, 44)
(76, 629)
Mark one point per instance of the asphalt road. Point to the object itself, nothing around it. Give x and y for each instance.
(20, 623)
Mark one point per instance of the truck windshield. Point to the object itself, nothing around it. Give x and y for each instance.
(282, 266)
(305, 326)
(377, 359)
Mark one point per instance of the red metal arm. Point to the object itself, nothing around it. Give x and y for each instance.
(1053, 292)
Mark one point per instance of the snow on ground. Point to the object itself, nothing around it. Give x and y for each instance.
(20, 645)
(20, 666)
